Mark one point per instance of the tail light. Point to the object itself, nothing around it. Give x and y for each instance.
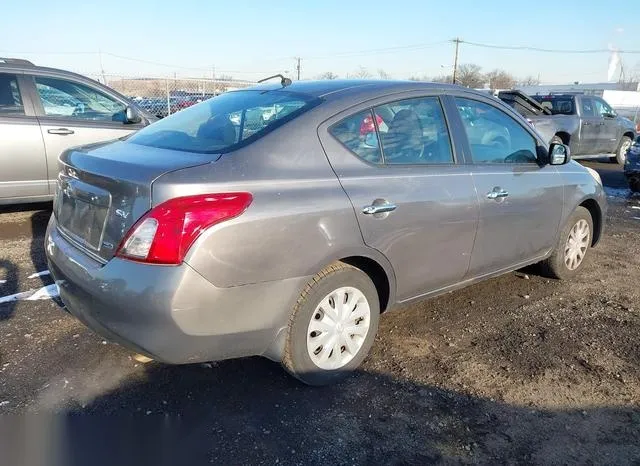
(165, 233)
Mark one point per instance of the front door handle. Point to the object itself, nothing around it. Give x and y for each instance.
(497, 193)
(585, 123)
(60, 131)
(378, 209)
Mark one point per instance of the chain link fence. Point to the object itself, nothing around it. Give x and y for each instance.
(165, 96)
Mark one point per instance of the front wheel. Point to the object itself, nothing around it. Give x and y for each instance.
(623, 148)
(332, 326)
(569, 255)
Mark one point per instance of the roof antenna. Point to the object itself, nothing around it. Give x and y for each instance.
(284, 81)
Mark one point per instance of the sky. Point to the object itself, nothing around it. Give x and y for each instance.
(252, 39)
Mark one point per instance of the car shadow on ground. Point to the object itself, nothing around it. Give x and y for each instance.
(249, 412)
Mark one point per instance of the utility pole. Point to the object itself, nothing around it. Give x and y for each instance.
(298, 67)
(455, 59)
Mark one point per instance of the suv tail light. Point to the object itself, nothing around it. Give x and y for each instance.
(165, 233)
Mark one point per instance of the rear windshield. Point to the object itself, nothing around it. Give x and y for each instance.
(226, 122)
(557, 105)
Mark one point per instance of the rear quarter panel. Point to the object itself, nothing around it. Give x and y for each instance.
(300, 219)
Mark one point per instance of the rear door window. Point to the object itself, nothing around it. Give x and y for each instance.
(414, 132)
(405, 132)
(226, 122)
(10, 98)
(358, 134)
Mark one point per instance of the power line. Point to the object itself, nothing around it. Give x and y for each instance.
(539, 49)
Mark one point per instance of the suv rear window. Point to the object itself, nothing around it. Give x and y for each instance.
(226, 122)
(560, 105)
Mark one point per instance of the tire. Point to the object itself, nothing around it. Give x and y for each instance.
(559, 264)
(621, 152)
(326, 367)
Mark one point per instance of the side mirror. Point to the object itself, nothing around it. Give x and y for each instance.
(131, 116)
(559, 154)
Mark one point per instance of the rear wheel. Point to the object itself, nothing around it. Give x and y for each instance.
(623, 148)
(332, 326)
(574, 242)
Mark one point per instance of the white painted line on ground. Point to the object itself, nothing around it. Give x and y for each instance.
(2, 282)
(636, 218)
(39, 274)
(635, 207)
(46, 292)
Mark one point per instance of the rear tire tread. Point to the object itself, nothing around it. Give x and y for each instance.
(287, 360)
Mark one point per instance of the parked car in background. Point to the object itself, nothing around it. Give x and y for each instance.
(632, 166)
(586, 123)
(203, 237)
(43, 112)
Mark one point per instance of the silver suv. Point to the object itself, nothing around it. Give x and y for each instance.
(43, 112)
(282, 220)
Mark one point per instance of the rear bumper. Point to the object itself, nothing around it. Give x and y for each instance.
(171, 314)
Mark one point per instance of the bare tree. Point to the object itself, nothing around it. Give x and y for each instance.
(225, 77)
(529, 81)
(470, 75)
(500, 79)
(360, 73)
(442, 79)
(383, 74)
(328, 75)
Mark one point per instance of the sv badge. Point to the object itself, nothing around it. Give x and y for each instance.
(122, 213)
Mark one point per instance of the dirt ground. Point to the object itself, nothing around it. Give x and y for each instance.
(518, 369)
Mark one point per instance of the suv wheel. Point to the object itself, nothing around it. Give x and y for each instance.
(332, 326)
(623, 148)
(574, 242)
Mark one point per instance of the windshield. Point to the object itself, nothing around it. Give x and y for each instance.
(226, 122)
(557, 105)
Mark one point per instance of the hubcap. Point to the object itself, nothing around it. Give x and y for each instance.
(623, 150)
(338, 328)
(577, 244)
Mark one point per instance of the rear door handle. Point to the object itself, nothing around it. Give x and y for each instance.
(585, 123)
(60, 131)
(378, 209)
(497, 193)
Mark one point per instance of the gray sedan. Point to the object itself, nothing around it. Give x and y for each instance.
(232, 229)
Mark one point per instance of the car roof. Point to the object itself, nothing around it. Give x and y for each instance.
(325, 88)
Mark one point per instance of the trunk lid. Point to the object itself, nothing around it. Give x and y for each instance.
(103, 189)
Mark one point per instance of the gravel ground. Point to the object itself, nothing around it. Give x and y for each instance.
(518, 369)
